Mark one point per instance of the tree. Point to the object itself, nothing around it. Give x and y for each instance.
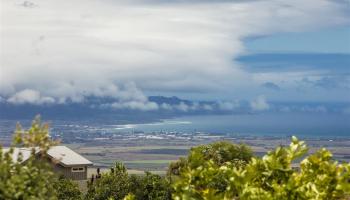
(117, 184)
(271, 177)
(221, 152)
(150, 187)
(67, 189)
(218, 152)
(114, 184)
(33, 178)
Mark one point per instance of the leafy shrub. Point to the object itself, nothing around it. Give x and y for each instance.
(31, 179)
(271, 177)
(67, 189)
(117, 184)
(114, 184)
(150, 187)
(218, 152)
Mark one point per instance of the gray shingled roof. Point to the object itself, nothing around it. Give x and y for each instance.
(64, 155)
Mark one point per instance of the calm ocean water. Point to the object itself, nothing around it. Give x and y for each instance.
(270, 124)
(299, 124)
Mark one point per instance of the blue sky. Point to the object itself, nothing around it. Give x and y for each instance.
(330, 40)
(257, 51)
(325, 52)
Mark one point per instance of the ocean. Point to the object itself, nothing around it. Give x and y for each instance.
(265, 124)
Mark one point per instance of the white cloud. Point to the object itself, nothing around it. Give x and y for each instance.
(228, 105)
(166, 106)
(73, 49)
(182, 107)
(208, 107)
(259, 104)
(30, 97)
(135, 105)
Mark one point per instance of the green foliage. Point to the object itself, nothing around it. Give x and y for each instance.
(271, 177)
(128, 197)
(31, 179)
(114, 184)
(67, 190)
(174, 167)
(117, 184)
(37, 136)
(217, 153)
(150, 187)
(220, 152)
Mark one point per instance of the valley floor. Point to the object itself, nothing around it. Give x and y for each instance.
(155, 153)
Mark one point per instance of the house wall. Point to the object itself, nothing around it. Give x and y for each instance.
(67, 172)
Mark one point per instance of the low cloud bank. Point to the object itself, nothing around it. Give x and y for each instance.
(260, 104)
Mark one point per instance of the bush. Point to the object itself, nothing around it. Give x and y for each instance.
(114, 184)
(31, 179)
(271, 177)
(117, 184)
(218, 152)
(67, 189)
(150, 187)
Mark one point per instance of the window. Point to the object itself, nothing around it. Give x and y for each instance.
(78, 169)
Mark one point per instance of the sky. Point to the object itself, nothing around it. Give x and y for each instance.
(328, 40)
(261, 51)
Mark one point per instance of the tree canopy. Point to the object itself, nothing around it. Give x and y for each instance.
(218, 152)
(270, 177)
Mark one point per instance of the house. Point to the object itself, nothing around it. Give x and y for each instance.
(64, 161)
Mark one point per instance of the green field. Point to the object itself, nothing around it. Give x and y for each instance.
(148, 161)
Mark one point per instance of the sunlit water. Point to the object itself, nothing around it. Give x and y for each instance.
(271, 124)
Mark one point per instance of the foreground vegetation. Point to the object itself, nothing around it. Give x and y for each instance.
(220, 170)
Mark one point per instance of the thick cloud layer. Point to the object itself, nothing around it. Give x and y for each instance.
(55, 51)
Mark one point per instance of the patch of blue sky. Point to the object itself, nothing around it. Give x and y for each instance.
(331, 40)
(333, 63)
